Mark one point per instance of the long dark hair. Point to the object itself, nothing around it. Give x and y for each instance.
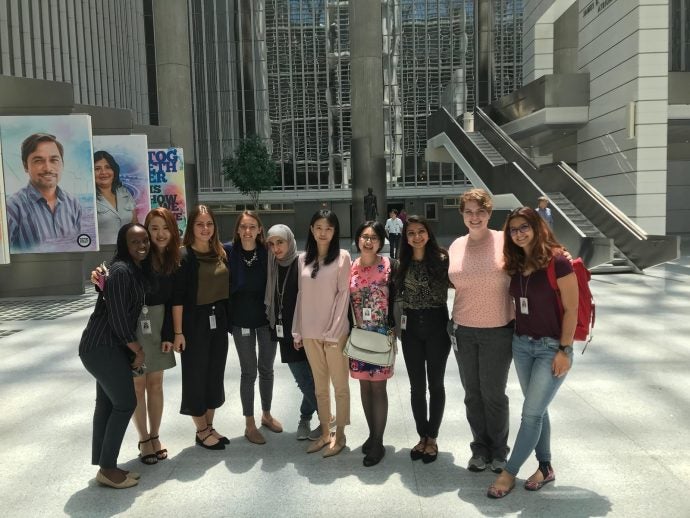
(434, 256)
(143, 271)
(543, 245)
(104, 155)
(168, 261)
(312, 250)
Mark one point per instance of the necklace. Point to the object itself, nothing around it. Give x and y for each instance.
(249, 262)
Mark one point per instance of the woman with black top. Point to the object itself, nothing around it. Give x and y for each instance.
(248, 266)
(281, 297)
(422, 297)
(107, 347)
(200, 323)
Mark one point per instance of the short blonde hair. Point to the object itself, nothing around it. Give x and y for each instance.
(480, 196)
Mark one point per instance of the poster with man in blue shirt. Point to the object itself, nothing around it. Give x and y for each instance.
(49, 208)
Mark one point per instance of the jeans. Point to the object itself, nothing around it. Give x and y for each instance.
(115, 402)
(305, 381)
(533, 358)
(250, 362)
(425, 346)
(484, 356)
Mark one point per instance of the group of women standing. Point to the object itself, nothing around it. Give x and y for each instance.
(265, 294)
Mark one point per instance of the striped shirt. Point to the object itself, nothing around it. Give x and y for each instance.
(115, 319)
(31, 222)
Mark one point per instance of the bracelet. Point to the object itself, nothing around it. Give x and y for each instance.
(178, 333)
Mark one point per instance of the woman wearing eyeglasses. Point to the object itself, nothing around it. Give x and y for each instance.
(483, 320)
(542, 344)
(370, 280)
(250, 330)
(422, 299)
(321, 326)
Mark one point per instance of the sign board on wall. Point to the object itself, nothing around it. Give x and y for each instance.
(166, 178)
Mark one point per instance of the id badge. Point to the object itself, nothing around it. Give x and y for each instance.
(403, 322)
(366, 314)
(246, 331)
(212, 321)
(279, 331)
(524, 307)
(146, 327)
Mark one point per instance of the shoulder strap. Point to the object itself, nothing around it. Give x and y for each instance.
(391, 291)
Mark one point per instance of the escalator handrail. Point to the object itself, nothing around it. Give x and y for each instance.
(603, 201)
(504, 137)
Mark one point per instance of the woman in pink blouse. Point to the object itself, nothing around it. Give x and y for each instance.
(321, 326)
(370, 279)
(483, 319)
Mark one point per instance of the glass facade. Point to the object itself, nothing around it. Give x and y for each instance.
(679, 36)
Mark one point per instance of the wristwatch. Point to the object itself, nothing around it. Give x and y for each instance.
(567, 349)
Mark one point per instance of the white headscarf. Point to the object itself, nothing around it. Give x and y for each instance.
(284, 232)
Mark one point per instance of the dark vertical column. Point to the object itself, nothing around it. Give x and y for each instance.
(368, 162)
(174, 77)
(483, 30)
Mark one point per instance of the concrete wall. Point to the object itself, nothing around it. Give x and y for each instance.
(624, 48)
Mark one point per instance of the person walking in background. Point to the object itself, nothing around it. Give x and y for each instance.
(544, 211)
(483, 319)
(250, 330)
(280, 299)
(394, 228)
(321, 325)
(423, 291)
(200, 324)
(370, 279)
(109, 351)
(542, 344)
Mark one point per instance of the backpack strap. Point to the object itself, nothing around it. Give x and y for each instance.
(551, 274)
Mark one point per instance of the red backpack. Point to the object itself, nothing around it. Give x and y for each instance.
(585, 305)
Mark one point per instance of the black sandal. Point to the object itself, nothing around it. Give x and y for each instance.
(149, 458)
(428, 458)
(161, 454)
(222, 438)
(218, 446)
(416, 453)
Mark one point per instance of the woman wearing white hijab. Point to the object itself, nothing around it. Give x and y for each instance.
(281, 297)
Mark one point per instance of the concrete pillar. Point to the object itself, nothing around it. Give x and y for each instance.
(174, 79)
(368, 161)
(483, 30)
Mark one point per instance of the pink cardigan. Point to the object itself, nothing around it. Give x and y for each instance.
(322, 303)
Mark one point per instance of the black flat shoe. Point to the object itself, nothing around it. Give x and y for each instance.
(376, 453)
(415, 453)
(218, 446)
(366, 446)
(428, 458)
(222, 438)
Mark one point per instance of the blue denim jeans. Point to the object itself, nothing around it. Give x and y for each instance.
(533, 358)
(305, 381)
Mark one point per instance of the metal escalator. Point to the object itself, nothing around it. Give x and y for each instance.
(584, 220)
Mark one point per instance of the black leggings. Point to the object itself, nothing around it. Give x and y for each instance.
(425, 346)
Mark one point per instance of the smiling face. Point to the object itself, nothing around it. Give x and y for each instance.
(248, 230)
(521, 232)
(44, 166)
(104, 174)
(369, 242)
(138, 243)
(475, 217)
(160, 233)
(417, 236)
(322, 231)
(278, 246)
(204, 228)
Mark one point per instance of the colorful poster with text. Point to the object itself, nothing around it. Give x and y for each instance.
(166, 178)
(122, 183)
(49, 183)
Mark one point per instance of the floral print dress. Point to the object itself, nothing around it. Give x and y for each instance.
(369, 289)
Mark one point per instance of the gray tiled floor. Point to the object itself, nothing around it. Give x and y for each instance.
(621, 429)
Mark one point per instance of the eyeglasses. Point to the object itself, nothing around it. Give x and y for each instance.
(373, 239)
(479, 212)
(523, 229)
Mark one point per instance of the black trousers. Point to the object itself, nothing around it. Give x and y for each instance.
(394, 240)
(203, 361)
(115, 402)
(425, 346)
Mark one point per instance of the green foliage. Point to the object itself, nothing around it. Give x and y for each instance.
(251, 169)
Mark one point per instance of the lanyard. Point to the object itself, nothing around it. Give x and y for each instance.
(281, 292)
